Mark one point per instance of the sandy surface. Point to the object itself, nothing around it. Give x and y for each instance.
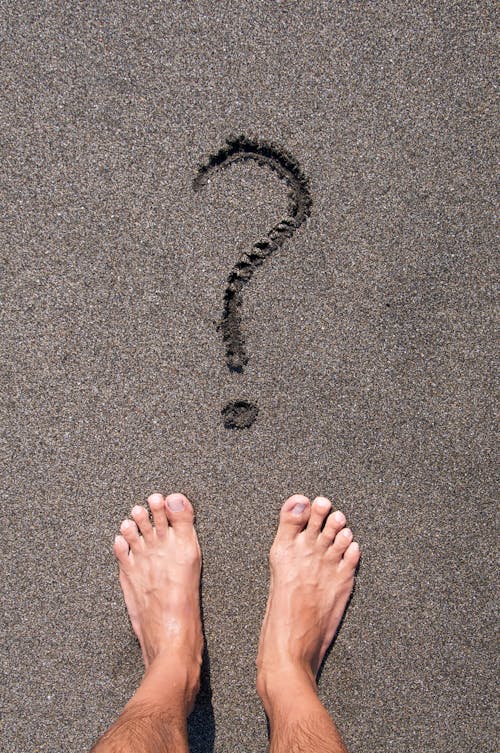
(368, 335)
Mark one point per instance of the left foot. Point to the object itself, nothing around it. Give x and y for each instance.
(160, 569)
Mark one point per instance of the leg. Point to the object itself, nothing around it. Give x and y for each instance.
(160, 570)
(313, 559)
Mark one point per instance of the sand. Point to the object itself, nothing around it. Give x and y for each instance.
(368, 338)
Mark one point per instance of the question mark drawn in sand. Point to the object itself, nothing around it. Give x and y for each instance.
(240, 414)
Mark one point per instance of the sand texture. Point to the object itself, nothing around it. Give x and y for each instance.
(366, 334)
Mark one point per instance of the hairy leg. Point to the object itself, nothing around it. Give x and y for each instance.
(160, 570)
(313, 560)
(146, 725)
(299, 722)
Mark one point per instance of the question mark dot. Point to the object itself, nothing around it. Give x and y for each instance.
(239, 414)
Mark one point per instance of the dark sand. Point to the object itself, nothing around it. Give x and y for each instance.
(368, 335)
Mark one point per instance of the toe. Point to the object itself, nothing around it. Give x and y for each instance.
(334, 523)
(157, 504)
(319, 510)
(342, 541)
(293, 517)
(351, 556)
(121, 550)
(141, 517)
(129, 531)
(180, 512)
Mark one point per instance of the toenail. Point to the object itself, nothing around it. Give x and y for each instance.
(322, 502)
(175, 504)
(347, 532)
(155, 499)
(298, 509)
(338, 516)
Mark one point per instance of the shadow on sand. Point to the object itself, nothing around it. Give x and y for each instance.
(201, 722)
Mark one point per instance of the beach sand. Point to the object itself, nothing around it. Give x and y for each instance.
(368, 335)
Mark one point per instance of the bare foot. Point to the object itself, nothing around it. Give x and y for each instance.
(160, 570)
(312, 576)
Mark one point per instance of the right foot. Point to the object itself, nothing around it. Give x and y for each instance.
(313, 560)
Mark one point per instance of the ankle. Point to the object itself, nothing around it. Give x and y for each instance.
(173, 682)
(286, 686)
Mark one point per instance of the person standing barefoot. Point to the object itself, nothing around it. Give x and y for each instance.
(312, 560)
(160, 571)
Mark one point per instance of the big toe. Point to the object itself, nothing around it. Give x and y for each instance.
(294, 515)
(180, 512)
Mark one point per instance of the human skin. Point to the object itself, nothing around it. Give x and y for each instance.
(312, 560)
